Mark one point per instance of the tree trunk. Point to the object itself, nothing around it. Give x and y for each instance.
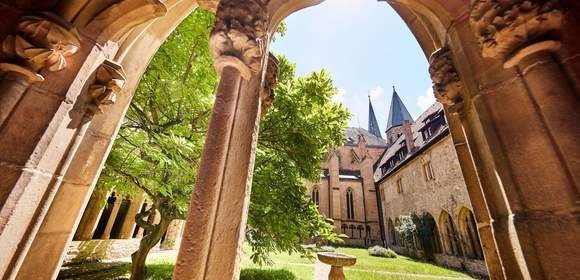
(138, 267)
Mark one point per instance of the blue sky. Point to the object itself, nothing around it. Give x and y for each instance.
(367, 48)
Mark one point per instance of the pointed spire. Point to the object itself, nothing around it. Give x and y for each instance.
(373, 123)
(398, 112)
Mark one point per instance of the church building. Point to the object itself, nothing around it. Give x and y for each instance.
(415, 171)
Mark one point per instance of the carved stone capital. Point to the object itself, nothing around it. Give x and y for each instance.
(109, 80)
(446, 82)
(41, 41)
(504, 27)
(239, 37)
(270, 82)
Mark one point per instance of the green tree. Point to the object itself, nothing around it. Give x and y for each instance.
(159, 144)
(294, 138)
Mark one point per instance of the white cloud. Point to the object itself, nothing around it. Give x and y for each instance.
(376, 92)
(425, 101)
(338, 97)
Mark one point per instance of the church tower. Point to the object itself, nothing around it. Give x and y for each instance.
(373, 123)
(398, 117)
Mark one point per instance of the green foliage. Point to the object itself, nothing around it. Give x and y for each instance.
(266, 274)
(407, 229)
(379, 251)
(294, 137)
(160, 142)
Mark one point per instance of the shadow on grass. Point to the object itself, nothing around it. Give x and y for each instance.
(121, 270)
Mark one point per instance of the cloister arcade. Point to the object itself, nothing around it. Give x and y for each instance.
(508, 73)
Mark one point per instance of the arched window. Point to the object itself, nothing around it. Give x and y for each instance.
(469, 236)
(349, 204)
(316, 196)
(449, 236)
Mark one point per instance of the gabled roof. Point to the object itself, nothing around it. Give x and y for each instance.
(351, 137)
(373, 123)
(398, 112)
(419, 142)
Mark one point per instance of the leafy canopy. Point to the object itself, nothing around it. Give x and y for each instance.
(160, 143)
(294, 137)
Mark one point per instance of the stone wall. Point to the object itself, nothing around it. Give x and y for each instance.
(447, 191)
(101, 250)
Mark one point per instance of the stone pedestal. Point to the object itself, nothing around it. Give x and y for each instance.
(337, 261)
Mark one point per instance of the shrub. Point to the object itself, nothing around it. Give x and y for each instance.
(266, 274)
(379, 251)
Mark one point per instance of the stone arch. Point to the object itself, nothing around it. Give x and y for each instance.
(507, 181)
(449, 236)
(391, 232)
(469, 235)
(431, 238)
(398, 240)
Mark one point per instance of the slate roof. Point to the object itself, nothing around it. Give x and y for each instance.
(351, 137)
(398, 112)
(418, 139)
(373, 123)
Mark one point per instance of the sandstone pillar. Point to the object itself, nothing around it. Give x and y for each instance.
(446, 87)
(111, 221)
(216, 223)
(173, 235)
(129, 223)
(91, 216)
(532, 122)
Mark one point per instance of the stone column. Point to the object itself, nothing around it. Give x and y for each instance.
(91, 216)
(216, 223)
(173, 235)
(447, 89)
(13, 85)
(535, 117)
(111, 221)
(129, 223)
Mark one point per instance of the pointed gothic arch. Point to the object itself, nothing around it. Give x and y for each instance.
(469, 235)
(315, 196)
(449, 236)
(350, 213)
(510, 171)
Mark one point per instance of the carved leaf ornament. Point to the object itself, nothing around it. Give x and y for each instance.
(239, 36)
(42, 41)
(504, 26)
(109, 80)
(446, 81)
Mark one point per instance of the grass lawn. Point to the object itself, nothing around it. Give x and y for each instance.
(399, 264)
(285, 267)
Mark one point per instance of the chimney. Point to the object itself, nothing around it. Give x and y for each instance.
(408, 132)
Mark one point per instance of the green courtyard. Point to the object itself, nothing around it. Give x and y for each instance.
(284, 267)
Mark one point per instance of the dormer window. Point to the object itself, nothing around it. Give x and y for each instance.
(433, 124)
